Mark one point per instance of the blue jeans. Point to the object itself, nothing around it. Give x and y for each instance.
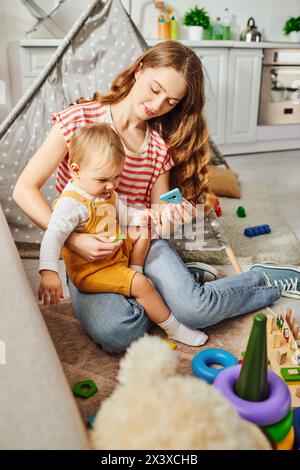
(114, 321)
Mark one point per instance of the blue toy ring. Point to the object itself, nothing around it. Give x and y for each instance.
(203, 359)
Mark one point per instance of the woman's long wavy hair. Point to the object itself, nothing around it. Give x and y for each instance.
(183, 128)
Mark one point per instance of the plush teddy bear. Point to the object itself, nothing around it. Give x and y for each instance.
(154, 408)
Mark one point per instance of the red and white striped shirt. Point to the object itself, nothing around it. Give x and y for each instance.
(141, 168)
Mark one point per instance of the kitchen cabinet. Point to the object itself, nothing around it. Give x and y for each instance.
(215, 69)
(232, 88)
(232, 80)
(27, 59)
(232, 92)
(243, 88)
(33, 61)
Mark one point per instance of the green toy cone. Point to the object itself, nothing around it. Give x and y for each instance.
(252, 384)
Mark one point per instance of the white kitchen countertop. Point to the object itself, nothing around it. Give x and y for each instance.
(204, 44)
(235, 44)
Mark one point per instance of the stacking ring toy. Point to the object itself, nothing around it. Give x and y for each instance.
(262, 413)
(202, 360)
(287, 442)
(276, 432)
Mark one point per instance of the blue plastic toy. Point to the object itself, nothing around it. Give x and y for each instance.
(90, 421)
(172, 196)
(203, 359)
(257, 230)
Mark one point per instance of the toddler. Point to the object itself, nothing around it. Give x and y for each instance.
(89, 204)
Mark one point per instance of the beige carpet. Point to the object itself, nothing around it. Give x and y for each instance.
(281, 246)
(28, 250)
(81, 358)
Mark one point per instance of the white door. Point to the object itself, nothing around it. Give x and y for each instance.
(244, 76)
(215, 68)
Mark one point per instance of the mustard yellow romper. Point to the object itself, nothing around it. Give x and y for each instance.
(109, 275)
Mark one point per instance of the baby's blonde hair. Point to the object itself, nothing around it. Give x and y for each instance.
(97, 143)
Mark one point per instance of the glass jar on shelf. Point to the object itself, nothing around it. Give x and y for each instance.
(226, 29)
(217, 32)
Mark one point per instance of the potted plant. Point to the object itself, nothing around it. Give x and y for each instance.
(292, 28)
(196, 19)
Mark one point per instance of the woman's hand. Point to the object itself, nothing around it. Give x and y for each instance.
(173, 215)
(92, 247)
(148, 216)
(50, 289)
(147, 219)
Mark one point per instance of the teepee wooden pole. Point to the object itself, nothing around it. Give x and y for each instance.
(233, 259)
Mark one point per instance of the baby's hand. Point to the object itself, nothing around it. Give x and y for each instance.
(50, 288)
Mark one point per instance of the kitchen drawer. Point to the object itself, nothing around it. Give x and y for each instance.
(34, 59)
(27, 81)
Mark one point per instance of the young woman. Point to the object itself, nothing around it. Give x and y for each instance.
(89, 204)
(156, 107)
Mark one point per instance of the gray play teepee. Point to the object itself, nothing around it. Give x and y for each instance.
(101, 43)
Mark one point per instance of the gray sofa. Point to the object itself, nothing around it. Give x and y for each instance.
(37, 408)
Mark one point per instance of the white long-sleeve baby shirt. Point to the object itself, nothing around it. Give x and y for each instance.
(70, 214)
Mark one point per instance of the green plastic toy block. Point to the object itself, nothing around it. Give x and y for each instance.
(290, 374)
(240, 212)
(120, 237)
(85, 388)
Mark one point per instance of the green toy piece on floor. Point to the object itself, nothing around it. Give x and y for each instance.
(85, 388)
(240, 212)
(252, 384)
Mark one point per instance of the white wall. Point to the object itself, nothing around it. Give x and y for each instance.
(269, 15)
(5, 95)
(15, 20)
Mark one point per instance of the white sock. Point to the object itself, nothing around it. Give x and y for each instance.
(137, 268)
(181, 333)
